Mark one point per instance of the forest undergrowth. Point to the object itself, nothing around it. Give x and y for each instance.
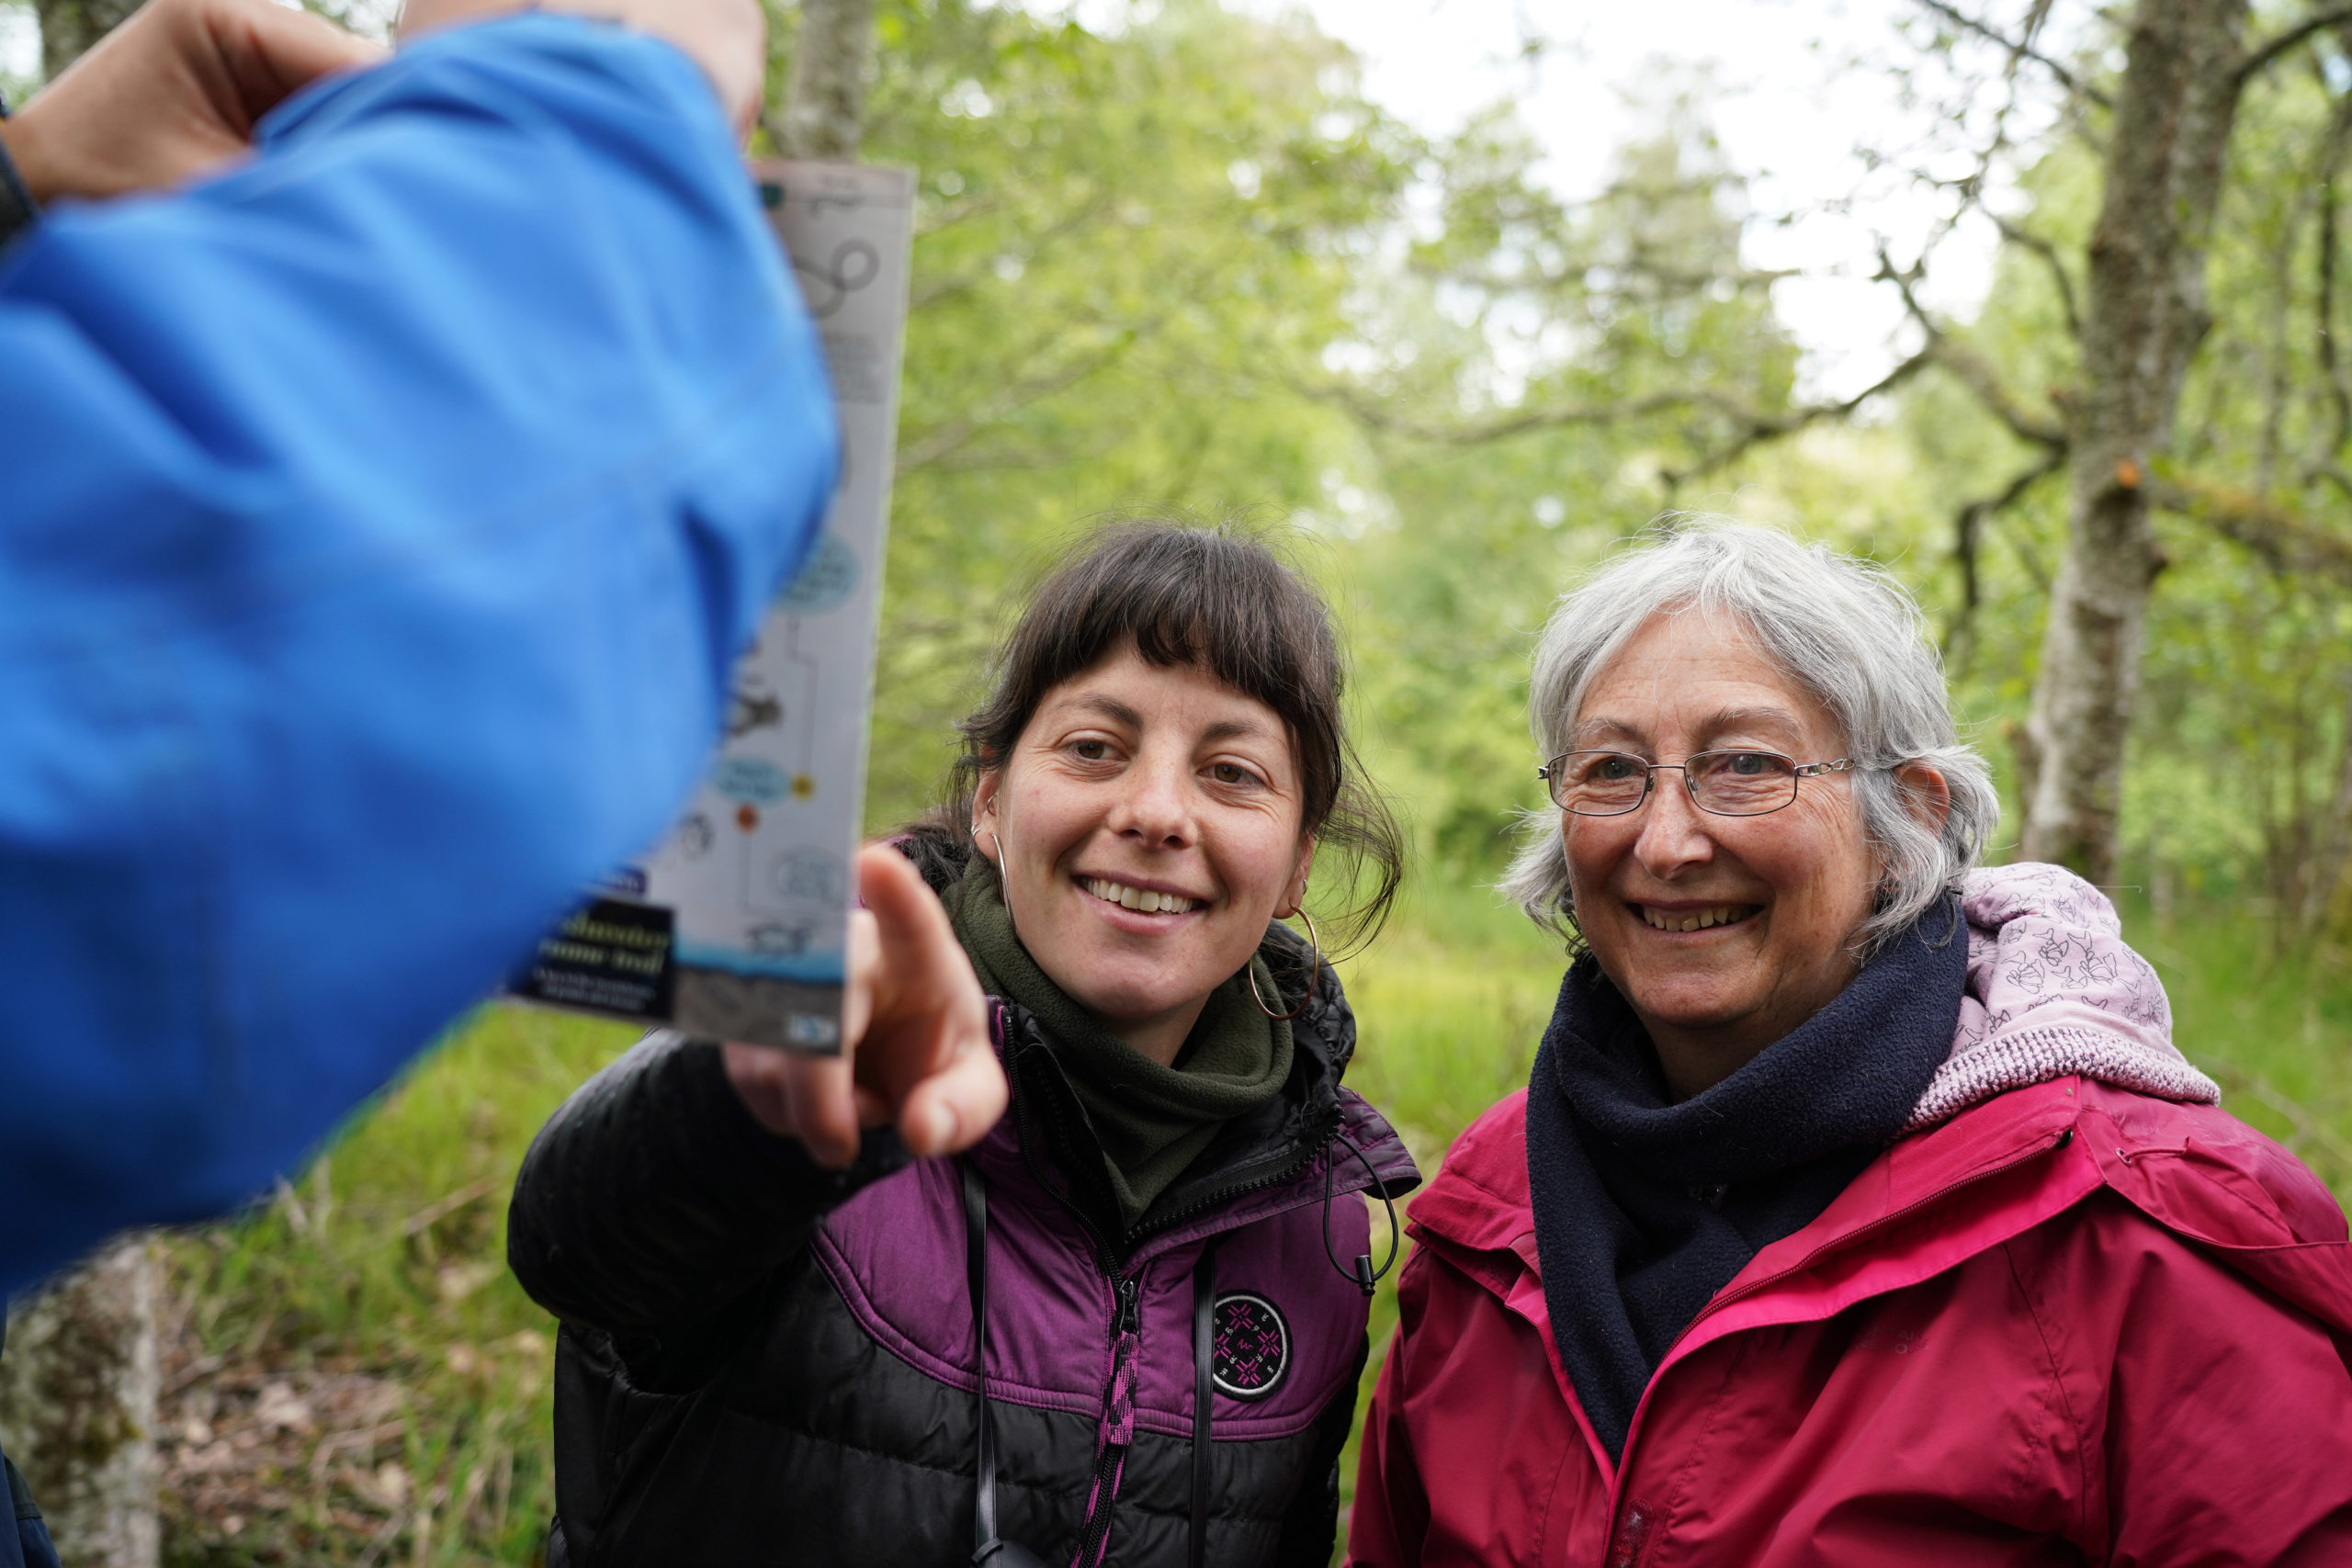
(352, 1376)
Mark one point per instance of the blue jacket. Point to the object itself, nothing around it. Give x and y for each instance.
(378, 523)
(24, 1535)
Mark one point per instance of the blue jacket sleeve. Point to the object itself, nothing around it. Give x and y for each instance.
(378, 523)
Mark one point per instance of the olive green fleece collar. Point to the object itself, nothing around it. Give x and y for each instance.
(1154, 1121)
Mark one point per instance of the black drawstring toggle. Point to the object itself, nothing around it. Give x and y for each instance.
(1364, 1275)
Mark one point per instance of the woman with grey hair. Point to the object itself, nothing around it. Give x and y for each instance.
(1860, 1209)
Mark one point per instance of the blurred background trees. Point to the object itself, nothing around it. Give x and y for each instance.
(1463, 386)
(1179, 259)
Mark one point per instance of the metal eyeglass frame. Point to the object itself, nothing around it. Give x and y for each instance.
(1798, 772)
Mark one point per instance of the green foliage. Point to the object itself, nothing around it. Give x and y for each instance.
(1086, 342)
(1128, 249)
(1520, 304)
(2239, 774)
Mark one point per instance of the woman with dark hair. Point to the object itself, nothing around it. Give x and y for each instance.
(1127, 1326)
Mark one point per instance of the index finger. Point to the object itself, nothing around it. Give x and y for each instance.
(929, 1052)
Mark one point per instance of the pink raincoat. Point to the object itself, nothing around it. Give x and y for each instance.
(2075, 1315)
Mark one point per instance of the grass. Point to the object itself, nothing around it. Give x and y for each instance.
(1449, 1006)
(354, 1377)
(2275, 1030)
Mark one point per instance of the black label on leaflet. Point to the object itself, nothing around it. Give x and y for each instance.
(611, 956)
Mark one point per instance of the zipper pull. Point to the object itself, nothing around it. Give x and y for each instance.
(1129, 1317)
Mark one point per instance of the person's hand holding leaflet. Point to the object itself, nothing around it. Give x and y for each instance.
(381, 511)
(172, 95)
(913, 1022)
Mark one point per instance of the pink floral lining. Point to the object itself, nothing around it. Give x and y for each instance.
(2053, 992)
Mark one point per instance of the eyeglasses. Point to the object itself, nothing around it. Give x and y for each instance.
(1726, 783)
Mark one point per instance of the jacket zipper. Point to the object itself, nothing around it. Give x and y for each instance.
(1118, 1429)
(1633, 1427)
(1105, 1261)
(1309, 1148)
(1117, 1432)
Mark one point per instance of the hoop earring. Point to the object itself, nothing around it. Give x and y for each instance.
(1314, 967)
(1003, 880)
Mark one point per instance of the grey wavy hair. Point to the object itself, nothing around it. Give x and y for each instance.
(1843, 630)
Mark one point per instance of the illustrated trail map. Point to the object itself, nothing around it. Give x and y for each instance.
(736, 926)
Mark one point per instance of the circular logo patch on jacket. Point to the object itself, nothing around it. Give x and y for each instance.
(1253, 1345)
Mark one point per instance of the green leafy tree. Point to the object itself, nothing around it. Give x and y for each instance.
(1128, 246)
(2237, 776)
(1525, 383)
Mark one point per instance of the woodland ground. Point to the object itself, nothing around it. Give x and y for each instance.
(353, 1377)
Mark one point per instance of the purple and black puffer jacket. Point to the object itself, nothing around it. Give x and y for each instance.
(765, 1362)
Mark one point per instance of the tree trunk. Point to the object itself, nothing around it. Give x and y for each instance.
(824, 107)
(78, 1390)
(2145, 315)
(78, 1380)
(69, 26)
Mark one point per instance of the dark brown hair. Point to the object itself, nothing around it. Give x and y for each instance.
(1225, 600)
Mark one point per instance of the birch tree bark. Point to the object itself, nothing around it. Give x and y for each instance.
(2143, 319)
(78, 1392)
(824, 107)
(78, 1380)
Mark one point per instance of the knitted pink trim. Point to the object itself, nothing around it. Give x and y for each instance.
(2038, 1056)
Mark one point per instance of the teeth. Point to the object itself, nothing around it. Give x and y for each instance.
(1142, 900)
(1698, 920)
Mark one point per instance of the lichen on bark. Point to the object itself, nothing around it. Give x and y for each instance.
(2145, 313)
(78, 1394)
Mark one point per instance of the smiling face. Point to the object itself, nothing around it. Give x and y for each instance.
(1146, 828)
(1723, 932)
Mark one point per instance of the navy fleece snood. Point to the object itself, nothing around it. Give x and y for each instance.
(1645, 1208)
